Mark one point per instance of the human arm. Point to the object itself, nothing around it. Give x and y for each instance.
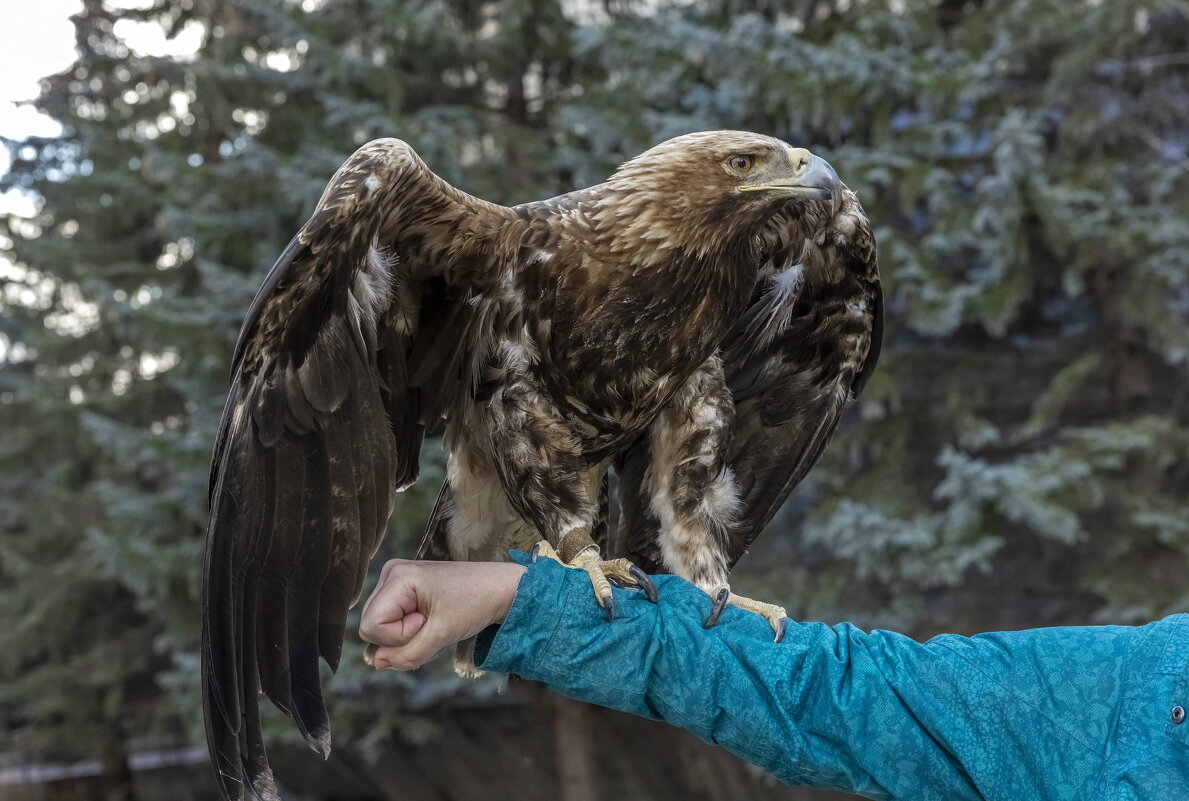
(1001, 716)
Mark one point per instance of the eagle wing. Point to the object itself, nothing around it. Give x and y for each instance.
(361, 337)
(806, 344)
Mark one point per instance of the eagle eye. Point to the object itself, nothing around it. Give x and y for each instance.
(740, 163)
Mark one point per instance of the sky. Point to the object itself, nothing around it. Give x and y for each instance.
(34, 42)
(39, 41)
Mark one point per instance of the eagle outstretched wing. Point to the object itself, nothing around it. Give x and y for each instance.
(360, 339)
(805, 345)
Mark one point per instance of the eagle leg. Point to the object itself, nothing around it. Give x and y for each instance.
(723, 596)
(601, 572)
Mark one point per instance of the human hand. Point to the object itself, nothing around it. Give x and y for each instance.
(418, 608)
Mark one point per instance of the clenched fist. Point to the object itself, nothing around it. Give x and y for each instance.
(418, 608)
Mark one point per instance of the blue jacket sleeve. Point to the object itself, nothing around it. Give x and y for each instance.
(998, 716)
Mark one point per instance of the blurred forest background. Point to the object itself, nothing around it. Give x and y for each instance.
(1019, 458)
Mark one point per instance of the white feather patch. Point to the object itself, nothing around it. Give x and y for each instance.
(373, 285)
(482, 523)
(687, 545)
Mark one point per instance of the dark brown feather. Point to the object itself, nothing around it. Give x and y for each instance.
(433, 541)
(322, 424)
(636, 534)
(797, 353)
(790, 397)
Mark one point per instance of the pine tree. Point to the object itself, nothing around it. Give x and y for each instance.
(1019, 458)
(177, 181)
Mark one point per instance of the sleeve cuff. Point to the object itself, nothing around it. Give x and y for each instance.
(518, 644)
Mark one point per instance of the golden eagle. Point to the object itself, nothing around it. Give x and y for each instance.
(696, 322)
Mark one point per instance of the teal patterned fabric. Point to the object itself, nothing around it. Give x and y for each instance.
(1060, 713)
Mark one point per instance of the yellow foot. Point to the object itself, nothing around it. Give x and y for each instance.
(464, 659)
(602, 573)
(723, 596)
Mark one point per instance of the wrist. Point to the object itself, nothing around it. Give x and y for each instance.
(507, 580)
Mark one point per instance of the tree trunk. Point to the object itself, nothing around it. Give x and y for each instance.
(115, 778)
(576, 779)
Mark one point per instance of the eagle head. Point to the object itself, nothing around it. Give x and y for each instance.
(703, 190)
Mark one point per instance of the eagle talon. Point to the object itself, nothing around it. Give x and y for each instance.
(605, 573)
(608, 608)
(639, 581)
(620, 584)
(775, 615)
(644, 581)
(720, 603)
(600, 574)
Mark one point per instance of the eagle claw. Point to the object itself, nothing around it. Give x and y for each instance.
(720, 603)
(645, 583)
(639, 580)
(774, 614)
(620, 572)
(608, 607)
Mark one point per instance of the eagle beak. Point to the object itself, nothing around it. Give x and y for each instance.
(813, 179)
